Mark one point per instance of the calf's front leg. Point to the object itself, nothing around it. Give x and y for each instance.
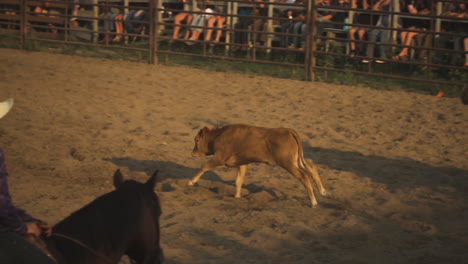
(207, 166)
(240, 179)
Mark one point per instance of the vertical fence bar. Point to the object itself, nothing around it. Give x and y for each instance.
(95, 21)
(307, 44)
(67, 22)
(126, 10)
(269, 26)
(229, 26)
(23, 25)
(312, 45)
(153, 28)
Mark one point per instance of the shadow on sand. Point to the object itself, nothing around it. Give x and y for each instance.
(394, 172)
(172, 170)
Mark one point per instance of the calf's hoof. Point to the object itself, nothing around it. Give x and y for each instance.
(191, 183)
(324, 193)
(314, 204)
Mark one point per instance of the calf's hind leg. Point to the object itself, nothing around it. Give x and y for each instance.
(305, 180)
(313, 171)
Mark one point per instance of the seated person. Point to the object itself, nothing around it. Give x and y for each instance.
(131, 21)
(181, 18)
(361, 19)
(257, 23)
(178, 21)
(382, 34)
(297, 27)
(285, 27)
(9, 10)
(45, 10)
(243, 23)
(420, 7)
(110, 24)
(452, 41)
(323, 16)
(217, 21)
(198, 24)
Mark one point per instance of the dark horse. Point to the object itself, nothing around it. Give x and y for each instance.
(124, 221)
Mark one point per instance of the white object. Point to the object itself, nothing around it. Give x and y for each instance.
(5, 107)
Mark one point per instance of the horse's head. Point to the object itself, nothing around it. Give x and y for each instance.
(127, 217)
(152, 205)
(119, 180)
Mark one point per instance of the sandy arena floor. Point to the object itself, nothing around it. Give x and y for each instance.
(395, 163)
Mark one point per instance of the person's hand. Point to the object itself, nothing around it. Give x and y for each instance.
(33, 229)
(45, 228)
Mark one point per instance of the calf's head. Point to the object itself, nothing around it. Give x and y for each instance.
(202, 143)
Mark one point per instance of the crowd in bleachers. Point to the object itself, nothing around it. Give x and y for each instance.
(379, 31)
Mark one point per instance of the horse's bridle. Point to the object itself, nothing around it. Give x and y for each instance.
(76, 241)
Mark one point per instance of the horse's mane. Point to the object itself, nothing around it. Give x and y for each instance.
(107, 224)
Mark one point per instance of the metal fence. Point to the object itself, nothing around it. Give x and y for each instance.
(255, 31)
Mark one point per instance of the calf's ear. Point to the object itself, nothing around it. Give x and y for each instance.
(205, 130)
(151, 182)
(118, 179)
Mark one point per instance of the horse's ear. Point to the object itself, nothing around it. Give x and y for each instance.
(151, 182)
(118, 179)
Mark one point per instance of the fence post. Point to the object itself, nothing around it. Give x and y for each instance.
(228, 26)
(95, 21)
(155, 15)
(311, 46)
(23, 25)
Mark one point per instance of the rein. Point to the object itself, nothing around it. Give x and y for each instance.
(76, 241)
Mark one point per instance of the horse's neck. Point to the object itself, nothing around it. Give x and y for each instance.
(41, 244)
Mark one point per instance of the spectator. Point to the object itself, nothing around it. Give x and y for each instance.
(381, 34)
(295, 25)
(15, 222)
(119, 28)
(323, 16)
(44, 9)
(10, 10)
(260, 24)
(255, 23)
(179, 19)
(298, 29)
(361, 19)
(285, 27)
(420, 7)
(198, 24)
(110, 23)
(453, 40)
(132, 22)
(243, 23)
(326, 16)
(217, 21)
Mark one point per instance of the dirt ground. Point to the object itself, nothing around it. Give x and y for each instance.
(395, 163)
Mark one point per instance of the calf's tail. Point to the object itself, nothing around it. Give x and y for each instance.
(300, 151)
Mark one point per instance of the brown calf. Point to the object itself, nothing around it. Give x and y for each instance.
(239, 145)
